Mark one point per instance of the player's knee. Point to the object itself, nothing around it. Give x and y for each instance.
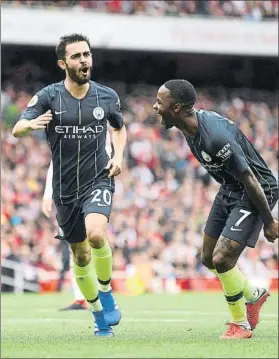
(206, 260)
(96, 237)
(221, 262)
(82, 258)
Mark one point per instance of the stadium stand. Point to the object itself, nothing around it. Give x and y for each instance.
(150, 222)
(247, 10)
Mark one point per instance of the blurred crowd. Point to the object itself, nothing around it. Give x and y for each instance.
(245, 9)
(162, 198)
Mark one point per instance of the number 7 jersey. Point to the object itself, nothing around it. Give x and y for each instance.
(225, 152)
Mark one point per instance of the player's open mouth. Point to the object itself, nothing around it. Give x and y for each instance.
(85, 70)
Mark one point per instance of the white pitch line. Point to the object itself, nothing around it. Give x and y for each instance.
(154, 312)
(143, 320)
(189, 312)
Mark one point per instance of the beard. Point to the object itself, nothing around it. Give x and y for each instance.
(167, 122)
(78, 76)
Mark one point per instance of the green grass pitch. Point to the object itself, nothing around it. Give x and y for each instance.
(184, 325)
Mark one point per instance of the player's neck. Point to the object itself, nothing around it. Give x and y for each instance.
(76, 90)
(189, 124)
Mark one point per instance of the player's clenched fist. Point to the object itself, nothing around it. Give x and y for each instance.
(271, 231)
(42, 121)
(114, 166)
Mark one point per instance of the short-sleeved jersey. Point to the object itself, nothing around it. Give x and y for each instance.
(77, 135)
(225, 152)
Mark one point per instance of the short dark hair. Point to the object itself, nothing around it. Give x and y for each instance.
(182, 91)
(66, 40)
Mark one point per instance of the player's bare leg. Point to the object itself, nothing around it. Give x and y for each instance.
(209, 244)
(96, 228)
(225, 256)
(88, 284)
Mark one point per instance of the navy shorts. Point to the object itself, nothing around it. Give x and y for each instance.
(71, 216)
(235, 219)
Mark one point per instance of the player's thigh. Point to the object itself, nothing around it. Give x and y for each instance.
(71, 222)
(226, 253)
(243, 225)
(216, 221)
(96, 225)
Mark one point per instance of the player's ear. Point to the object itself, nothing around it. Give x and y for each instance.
(177, 107)
(61, 64)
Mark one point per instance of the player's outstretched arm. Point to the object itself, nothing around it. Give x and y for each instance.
(257, 196)
(23, 126)
(47, 197)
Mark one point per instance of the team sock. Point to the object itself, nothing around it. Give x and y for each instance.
(88, 284)
(77, 293)
(233, 286)
(250, 292)
(102, 259)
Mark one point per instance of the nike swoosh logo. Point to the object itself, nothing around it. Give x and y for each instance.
(59, 112)
(236, 229)
(101, 205)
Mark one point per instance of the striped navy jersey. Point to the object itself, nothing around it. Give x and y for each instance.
(77, 135)
(225, 152)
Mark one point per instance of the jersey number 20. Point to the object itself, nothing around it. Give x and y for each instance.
(101, 195)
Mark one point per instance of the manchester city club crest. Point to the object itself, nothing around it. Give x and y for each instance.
(98, 113)
(205, 156)
(33, 101)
